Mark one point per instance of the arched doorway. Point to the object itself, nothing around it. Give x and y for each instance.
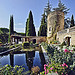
(68, 40)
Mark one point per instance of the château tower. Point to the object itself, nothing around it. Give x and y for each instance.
(55, 20)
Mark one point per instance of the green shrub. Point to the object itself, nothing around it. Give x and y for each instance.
(54, 42)
(12, 46)
(63, 44)
(25, 45)
(16, 70)
(31, 43)
(50, 41)
(0, 42)
(17, 45)
(73, 45)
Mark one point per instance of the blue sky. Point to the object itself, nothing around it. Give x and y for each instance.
(20, 10)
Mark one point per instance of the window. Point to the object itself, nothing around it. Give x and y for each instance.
(49, 28)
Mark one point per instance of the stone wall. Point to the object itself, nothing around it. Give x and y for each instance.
(55, 18)
(38, 39)
(70, 32)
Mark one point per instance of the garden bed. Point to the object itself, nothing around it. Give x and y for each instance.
(61, 61)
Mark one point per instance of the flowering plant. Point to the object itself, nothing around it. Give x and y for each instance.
(60, 69)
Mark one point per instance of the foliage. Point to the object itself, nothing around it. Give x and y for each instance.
(72, 21)
(63, 60)
(48, 48)
(30, 28)
(23, 34)
(43, 28)
(61, 7)
(60, 61)
(4, 37)
(11, 28)
(63, 44)
(25, 45)
(48, 8)
(54, 42)
(16, 45)
(0, 42)
(9, 70)
(12, 46)
(4, 30)
(60, 69)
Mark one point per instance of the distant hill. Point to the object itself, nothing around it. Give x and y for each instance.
(4, 35)
(4, 30)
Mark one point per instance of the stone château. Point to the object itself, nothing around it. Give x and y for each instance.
(55, 25)
(55, 20)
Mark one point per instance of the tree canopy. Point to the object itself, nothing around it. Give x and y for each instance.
(72, 21)
(43, 27)
(11, 27)
(30, 28)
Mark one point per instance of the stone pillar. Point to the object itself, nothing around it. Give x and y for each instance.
(17, 40)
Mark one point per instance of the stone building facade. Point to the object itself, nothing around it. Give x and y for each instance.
(55, 18)
(67, 35)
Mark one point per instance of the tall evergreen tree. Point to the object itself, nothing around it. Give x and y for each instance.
(11, 27)
(48, 8)
(30, 28)
(61, 7)
(72, 21)
(43, 28)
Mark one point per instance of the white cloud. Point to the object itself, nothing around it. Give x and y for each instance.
(18, 24)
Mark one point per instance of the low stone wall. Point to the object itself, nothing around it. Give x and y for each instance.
(45, 55)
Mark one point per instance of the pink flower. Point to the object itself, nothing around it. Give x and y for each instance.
(44, 65)
(64, 64)
(44, 68)
(65, 50)
(56, 72)
(51, 68)
(62, 73)
(67, 66)
(71, 50)
(60, 65)
(47, 71)
(66, 74)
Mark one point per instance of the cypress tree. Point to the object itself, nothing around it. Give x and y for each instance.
(11, 27)
(72, 21)
(30, 28)
(43, 27)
